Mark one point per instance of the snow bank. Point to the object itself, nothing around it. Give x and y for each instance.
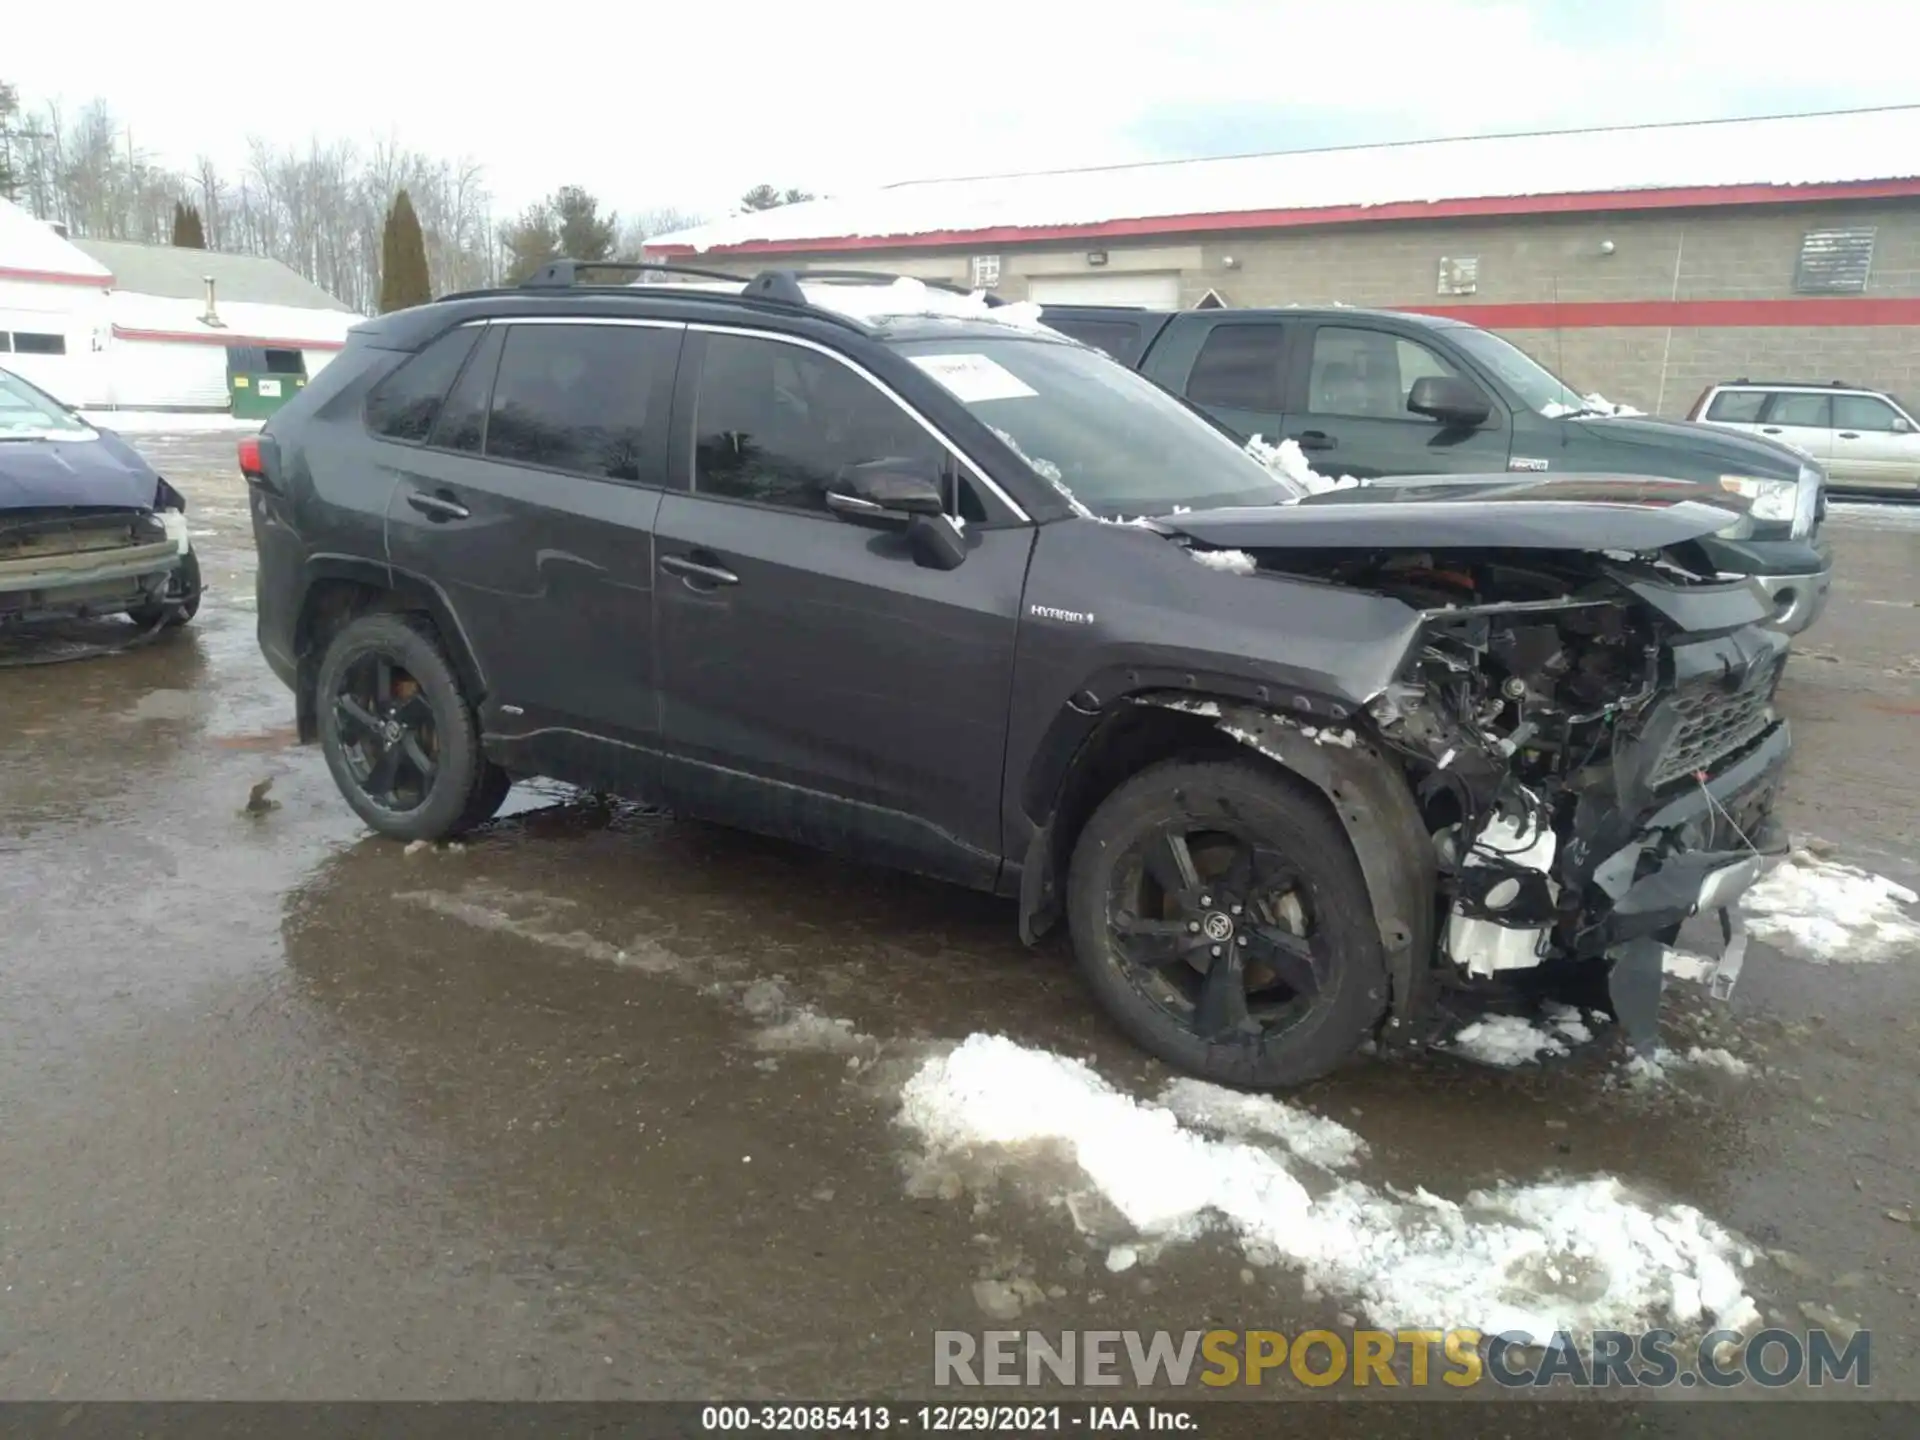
(1831, 913)
(1313, 1138)
(160, 422)
(1571, 1255)
(1289, 461)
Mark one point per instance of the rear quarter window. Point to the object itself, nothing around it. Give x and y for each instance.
(1741, 407)
(405, 404)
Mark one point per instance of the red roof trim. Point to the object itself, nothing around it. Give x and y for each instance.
(56, 277)
(222, 338)
(1571, 204)
(1681, 314)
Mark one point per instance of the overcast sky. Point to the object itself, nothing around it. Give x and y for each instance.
(688, 105)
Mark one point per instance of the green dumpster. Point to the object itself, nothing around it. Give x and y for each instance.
(261, 380)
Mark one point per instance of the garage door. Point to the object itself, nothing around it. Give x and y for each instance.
(1156, 292)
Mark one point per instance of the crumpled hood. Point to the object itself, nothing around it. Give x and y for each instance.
(1507, 512)
(101, 472)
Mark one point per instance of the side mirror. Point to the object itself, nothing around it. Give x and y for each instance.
(1902, 425)
(886, 493)
(1448, 399)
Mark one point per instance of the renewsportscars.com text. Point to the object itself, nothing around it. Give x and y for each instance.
(1458, 1358)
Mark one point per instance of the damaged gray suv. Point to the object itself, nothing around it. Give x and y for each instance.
(885, 570)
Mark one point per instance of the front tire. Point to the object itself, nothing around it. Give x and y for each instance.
(399, 734)
(1222, 921)
(179, 604)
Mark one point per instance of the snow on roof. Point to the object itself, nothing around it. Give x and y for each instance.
(182, 274)
(31, 248)
(162, 317)
(902, 297)
(1841, 148)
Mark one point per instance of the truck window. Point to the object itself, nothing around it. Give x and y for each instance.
(1238, 368)
(1119, 338)
(1367, 373)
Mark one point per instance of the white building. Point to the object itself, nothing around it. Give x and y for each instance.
(110, 324)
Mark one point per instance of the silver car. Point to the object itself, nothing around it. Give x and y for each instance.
(1865, 439)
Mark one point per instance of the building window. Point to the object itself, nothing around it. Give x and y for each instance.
(1459, 275)
(1834, 262)
(27, 342)
(986, 272)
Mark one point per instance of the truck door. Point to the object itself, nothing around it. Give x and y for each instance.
(1348, 408)
(1238, 375)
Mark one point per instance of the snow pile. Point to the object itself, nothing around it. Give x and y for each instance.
(1718, 1058)
(1313, 1138)
(1685, 965)
(1506, 1040)
(1826, 912)
(907, 296)
(1554, 409)
(1534, 1259)
(161, 422)
(1289, 461)
(1234, 562)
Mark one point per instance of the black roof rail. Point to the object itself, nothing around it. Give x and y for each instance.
(1800, 384)
(563, 274)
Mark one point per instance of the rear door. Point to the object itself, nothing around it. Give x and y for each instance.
(1874, 445)
(531, 507)
(817, 681)
(1801, 418)
(1348, 408)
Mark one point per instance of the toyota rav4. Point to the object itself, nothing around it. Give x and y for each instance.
(877, 568)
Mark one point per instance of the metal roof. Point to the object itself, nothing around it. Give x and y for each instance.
(1846, 154)
(180, 274)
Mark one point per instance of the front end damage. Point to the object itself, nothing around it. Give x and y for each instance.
(78, 563)
(1589, 755)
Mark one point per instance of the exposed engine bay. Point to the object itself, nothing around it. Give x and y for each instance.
(1570, 728)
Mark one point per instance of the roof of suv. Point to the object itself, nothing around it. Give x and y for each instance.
(875, 305)
(1295, 312)
(1821, 385)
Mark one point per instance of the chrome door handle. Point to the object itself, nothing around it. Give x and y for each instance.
(694, 573)
(438, 507)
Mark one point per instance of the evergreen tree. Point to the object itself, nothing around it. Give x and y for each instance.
(765, 197)
(403, 258)
(584, 233)
(530, 241)
(188, 233)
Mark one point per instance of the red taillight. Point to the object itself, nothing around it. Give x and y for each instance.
(250, 456)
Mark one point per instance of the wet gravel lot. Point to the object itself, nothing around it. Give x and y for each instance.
(288, 1112)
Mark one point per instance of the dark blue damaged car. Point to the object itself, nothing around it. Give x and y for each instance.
(87, 527)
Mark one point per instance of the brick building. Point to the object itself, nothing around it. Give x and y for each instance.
(1788, 246)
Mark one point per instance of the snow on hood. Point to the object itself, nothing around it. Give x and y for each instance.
(1595, 402)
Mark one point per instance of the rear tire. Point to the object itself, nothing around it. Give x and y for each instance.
(1196, 866)
(399, 734)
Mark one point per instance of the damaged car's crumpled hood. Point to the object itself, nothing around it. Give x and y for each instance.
(1574, 512)
(97, 472)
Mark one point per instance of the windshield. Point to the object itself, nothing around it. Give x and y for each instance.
(1536, 385)
(30, 414)
(1119, 445)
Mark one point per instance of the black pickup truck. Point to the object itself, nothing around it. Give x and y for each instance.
(1379, 394)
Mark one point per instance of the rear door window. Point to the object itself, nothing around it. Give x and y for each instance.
(463, 419)
(1738, 407)
(405, 404)
(1241, 367)
(590, 399)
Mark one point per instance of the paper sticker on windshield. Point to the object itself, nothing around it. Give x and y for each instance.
(973, 378)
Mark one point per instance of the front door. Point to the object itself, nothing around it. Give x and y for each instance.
(1349, 412)
(1874, 445)
(531, 507)
(817, 682)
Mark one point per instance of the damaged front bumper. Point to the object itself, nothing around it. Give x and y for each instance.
(42, 578)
